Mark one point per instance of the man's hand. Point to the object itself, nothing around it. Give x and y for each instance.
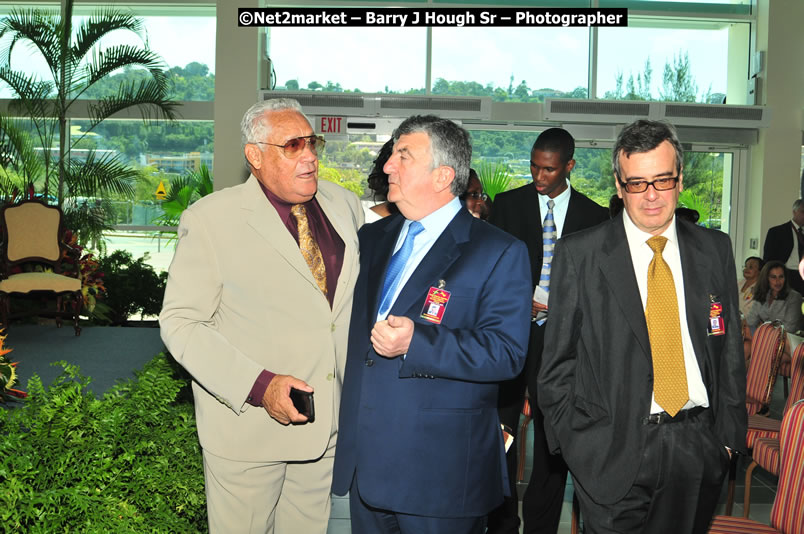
(537, 308)
(276, 399)
(391, 337)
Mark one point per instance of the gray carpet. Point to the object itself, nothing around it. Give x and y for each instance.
(107, 354)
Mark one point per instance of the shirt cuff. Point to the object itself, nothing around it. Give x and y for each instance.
(258, 389)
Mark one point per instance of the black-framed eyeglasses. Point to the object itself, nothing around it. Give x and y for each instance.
(476, 195)
(640, 186)
(295, 146)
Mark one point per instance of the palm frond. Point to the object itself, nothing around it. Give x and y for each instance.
(17, 155)
(98, 176)
(117, 57)
(41, 29)
(147, 96)
(494, 178)
(99, 24)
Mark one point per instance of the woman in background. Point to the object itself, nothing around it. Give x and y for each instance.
(775, 301)
(748, 282)
(378, 182)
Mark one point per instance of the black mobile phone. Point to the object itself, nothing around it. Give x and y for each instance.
(303, 402)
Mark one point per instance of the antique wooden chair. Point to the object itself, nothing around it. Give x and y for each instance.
(31, 253)
(766, 354)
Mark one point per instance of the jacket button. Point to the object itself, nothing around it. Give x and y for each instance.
(369, 363)
(332, 327)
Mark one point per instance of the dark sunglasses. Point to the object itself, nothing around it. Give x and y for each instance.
(640, 186)
(295, 146)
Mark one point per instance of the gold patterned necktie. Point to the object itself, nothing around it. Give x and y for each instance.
(309, 247)
(664, 330)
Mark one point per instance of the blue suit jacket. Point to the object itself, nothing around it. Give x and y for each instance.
(421, 434)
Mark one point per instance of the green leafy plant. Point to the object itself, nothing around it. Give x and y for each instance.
(495, 178)
(183, 191)
(132, 286)
(129, 462)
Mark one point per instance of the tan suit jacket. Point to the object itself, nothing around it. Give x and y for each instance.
(240, 298)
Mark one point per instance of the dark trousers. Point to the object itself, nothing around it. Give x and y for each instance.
(369, 520)
(676, 487)
(544, 496)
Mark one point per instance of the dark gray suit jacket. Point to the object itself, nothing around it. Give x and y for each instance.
(596, 379)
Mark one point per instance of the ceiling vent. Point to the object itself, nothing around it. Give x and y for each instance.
(680, 114)
(383, 105)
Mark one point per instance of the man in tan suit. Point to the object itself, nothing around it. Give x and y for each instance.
(258, 301)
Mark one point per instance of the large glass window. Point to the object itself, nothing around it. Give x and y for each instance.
(511, 64)
(368, 60)
(650, 63)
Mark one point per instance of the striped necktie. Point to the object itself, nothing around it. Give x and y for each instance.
(548, 245)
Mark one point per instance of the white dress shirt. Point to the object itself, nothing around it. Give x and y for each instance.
(642, 255)
(434, 225)
(792, 259)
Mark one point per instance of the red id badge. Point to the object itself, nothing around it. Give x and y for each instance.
(716, 325)
(435, 304)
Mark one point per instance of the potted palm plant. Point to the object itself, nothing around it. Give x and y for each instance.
(75, 63)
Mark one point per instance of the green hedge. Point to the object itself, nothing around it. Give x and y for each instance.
(129, 462)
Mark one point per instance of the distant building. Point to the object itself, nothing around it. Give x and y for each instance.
(189, 162)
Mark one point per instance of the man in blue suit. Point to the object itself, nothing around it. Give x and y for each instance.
(441, 315)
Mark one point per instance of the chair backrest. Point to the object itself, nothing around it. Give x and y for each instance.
(796, 377)
(32, 231)
(787, 514)
(767, 347)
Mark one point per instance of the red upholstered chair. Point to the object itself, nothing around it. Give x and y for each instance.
(787, 514)
(766, 353)
(765, 441)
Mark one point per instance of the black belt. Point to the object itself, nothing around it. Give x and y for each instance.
(664, 417)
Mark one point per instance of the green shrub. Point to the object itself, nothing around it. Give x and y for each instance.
(129, 462)
(132, 287)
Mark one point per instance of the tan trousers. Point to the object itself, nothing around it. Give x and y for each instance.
(268, 498)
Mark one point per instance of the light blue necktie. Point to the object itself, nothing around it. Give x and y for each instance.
(397, 265)
(548, 246)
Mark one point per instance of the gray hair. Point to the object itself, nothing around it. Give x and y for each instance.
(255, 127)
(797, 204)
(450, 145)
(643, 136)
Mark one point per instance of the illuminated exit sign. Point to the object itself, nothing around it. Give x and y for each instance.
(331, 125)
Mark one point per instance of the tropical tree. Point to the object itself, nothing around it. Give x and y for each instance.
(75, 63)
(183, 191)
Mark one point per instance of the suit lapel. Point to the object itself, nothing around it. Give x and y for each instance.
(438, 260)
(341, 222)
(618, 268)
(264, 219)
(696, 293)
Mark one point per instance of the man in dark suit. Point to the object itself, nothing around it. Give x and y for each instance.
(521, 213)
(785, 243)
(642, 383)
(440, 318)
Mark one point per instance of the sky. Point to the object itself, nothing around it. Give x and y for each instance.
(372, 59)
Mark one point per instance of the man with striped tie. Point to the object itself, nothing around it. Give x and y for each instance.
(539, 214)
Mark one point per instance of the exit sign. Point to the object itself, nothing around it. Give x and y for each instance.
(331, 125)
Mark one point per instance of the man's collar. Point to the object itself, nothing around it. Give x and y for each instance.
(636, 235)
